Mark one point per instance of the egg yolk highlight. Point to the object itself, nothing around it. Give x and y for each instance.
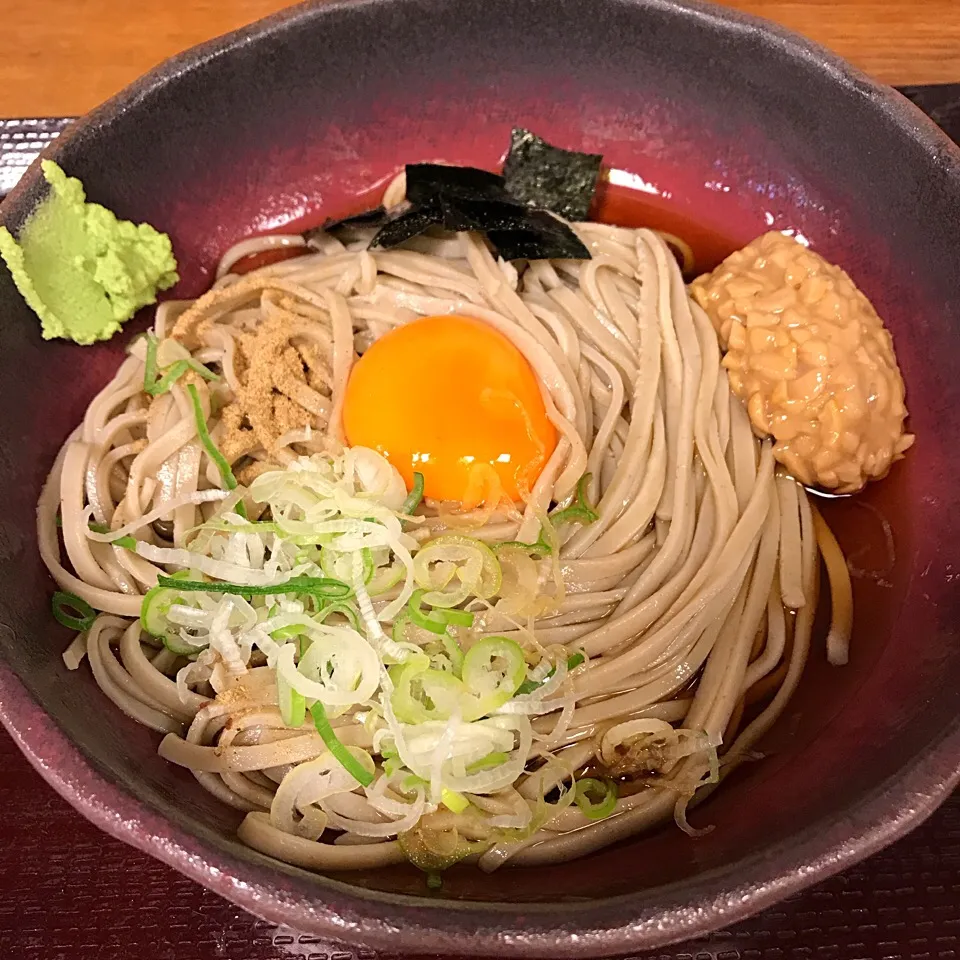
(453, 399)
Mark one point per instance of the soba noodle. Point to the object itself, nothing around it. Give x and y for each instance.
(692, 595)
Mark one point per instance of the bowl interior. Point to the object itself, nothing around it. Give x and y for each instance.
(723, 131)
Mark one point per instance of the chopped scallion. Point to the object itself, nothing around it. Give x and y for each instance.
(391, 766)
(150, 363)
(596, 799)
(128, 543)
(171, 374)
(324, 588)
(454, 652)
(458, 618)
(453, 801)
(436, 621)
(226, 474)
(343, 756)
(488, 762)
(540, 548)
(344, 609)
(72, 611)
(528, 686)
(411, 783)
(174, 372)
(580, 510)
(293, 705)
(415, 495)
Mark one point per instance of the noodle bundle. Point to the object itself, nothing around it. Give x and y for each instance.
(665, 623)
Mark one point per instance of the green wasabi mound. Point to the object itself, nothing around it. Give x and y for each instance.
(83, 271)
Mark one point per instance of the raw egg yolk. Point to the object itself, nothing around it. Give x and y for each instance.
(453, 399)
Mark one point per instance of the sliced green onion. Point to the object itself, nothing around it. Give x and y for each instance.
(339, 563)
(392, 766)
(321, 587)
(493, 670)
(226, 474)
(293, 705)
(453, 801)
(434, 850)
(421, 693)
(197, 367)
(540, 548)
(174, 372)
(150, 363)
(288, 633)
(58, 520)
(157, 602)
(386, 577)
(488, 762)
(457, 618)
(528, 686)
(399, 624)
(454, 652)
(466, 563)
(171, 374)
(436, 621)
(341, 754)
(580, 510)
(344, 609)
(72, 611)
(596, 799)
(128, 543)
(175, 645)
(414, 496)
(410, 783)
(434, 881)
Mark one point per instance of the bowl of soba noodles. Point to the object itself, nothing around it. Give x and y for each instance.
(516, 519)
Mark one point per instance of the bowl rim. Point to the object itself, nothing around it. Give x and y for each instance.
(599, 927)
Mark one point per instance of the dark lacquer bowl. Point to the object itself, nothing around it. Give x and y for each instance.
(728, 125)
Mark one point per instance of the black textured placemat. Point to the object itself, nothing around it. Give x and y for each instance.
(20, 143)
(69, 892)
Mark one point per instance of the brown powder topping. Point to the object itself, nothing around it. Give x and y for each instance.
(282, 367)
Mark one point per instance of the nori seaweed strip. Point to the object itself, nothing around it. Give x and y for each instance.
(369, 218)
(549, 239)
(425, 181)
(408, 225)
(551, 178)
(460, 213)
(468, 198)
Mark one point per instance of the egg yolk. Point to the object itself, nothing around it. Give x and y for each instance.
(453, 399)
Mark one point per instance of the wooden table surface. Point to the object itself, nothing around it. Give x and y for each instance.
(61, 57)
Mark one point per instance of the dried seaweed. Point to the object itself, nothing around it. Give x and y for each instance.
(551, 178)
(513, 211)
